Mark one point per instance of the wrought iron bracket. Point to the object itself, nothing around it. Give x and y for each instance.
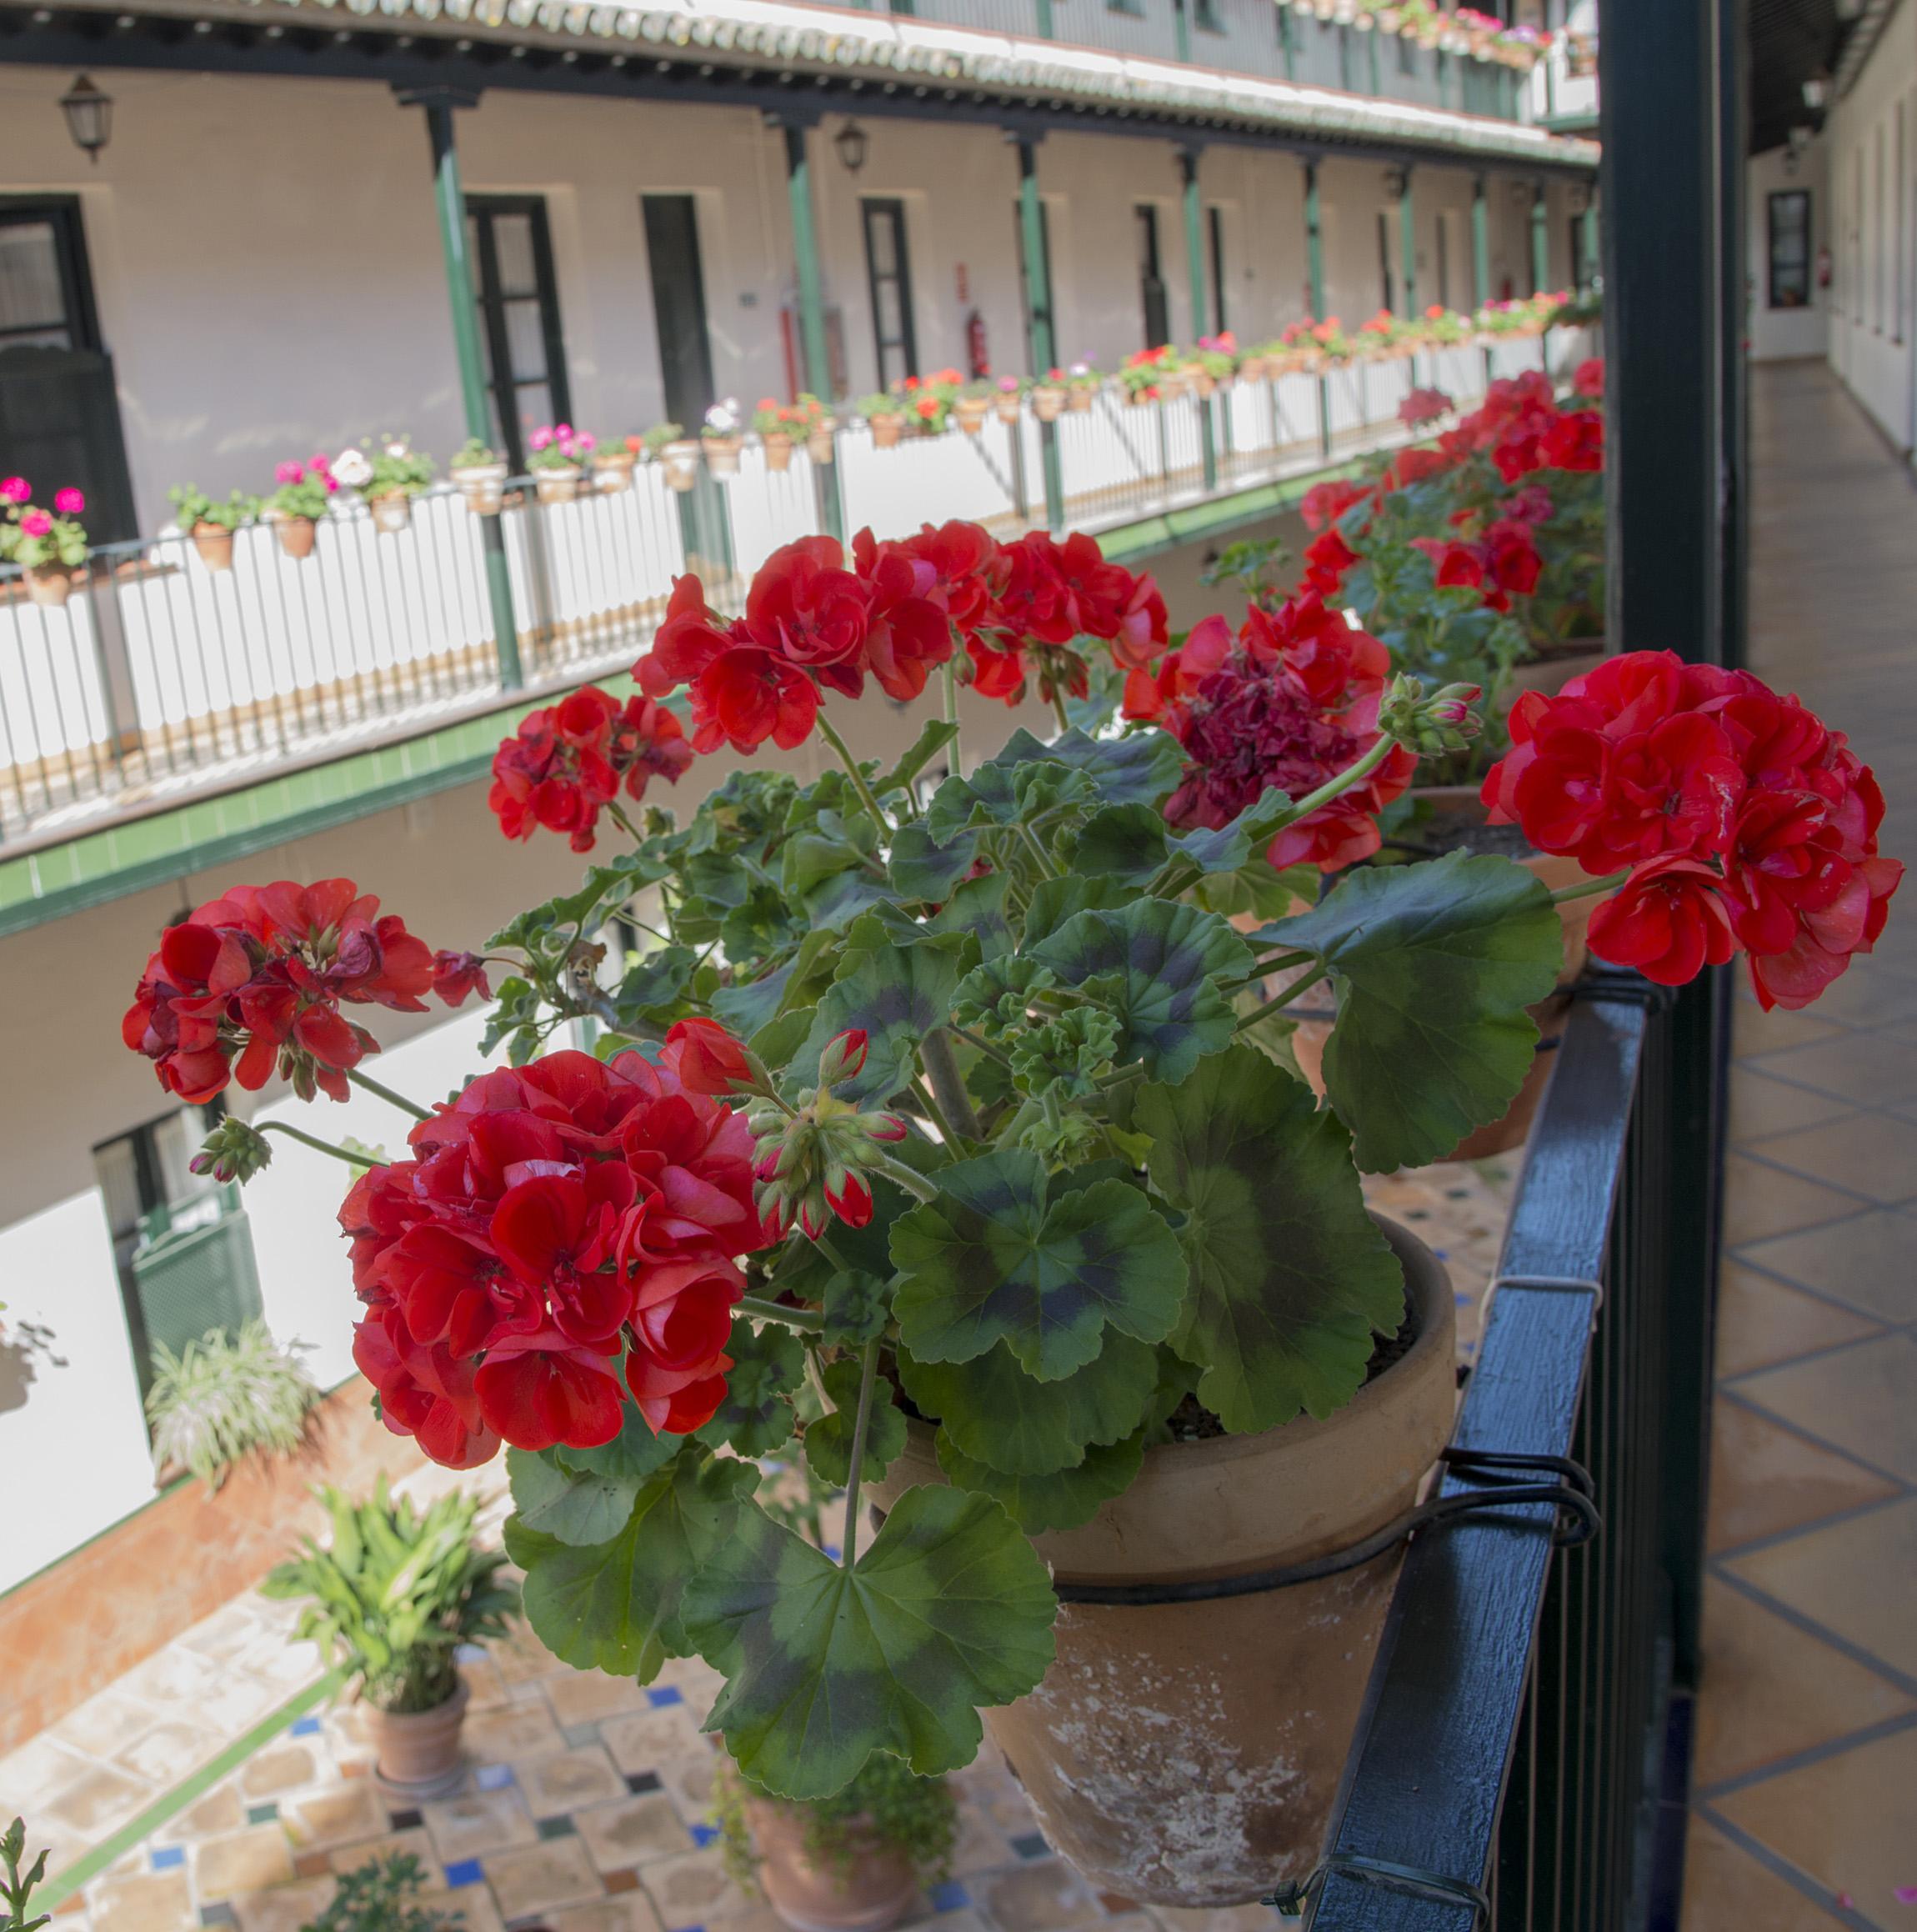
(1408, 1881)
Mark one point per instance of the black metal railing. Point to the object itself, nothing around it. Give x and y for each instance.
(1507, 1768)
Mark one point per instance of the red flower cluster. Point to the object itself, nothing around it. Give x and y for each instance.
(812, 624)
(256, 977)
(566, 763)
(552, 1218)
(1291, 701)
(1327, 557)
(1503, 563)
(1744, 822)
(1521, 429)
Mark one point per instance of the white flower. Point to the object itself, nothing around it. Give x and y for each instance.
(396, 449)
(725, 416)
(351, 467)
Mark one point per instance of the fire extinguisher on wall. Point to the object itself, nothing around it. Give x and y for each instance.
(979, 362)
(1823, 267)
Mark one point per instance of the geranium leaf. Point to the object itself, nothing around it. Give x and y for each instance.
(1000, 794)
(990, 1261)
(633, 1454)
(1433, 965)
(614, 1606)
(897, 994)
(931, 740)
(948, 1609)
(1231, 846)
(994, 1412)
(1290, 1278)
(1061, 1499)
(1126, 843)
(1137, 769)
(923, 869)
(1055, 900)
(828, 1441)
(1154, 964)
(756, 1415)
(576, 1506)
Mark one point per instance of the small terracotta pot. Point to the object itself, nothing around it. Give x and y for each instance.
(1205, 1769)
(722, 453)
(681, 463)
(1200, 384)
(1047, 402)
(778, 446)
(612, 472)
(1253, 368)
(418, 1754)
(48, 584)
(297, 536)
(392, 513)
(972, 412)
(873, 1888)
(215, 543)
(886, 430)
(1078, 400)
(558, 486)
(1007, 407)
(820, 446)
(483, 486)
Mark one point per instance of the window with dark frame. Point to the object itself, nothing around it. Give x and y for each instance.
(518, 301)
(46, 295)
(1206, 17)
(889, 277)
(1789, 213)
(1151, 295)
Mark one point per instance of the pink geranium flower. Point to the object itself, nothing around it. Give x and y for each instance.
(16, 489)
(290, 472)
(36, 523)
(69, 503)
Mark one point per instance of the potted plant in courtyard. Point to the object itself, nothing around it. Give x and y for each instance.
(676, 453)
(300, 498)
(479, 472)
(384, 1894)
(721, 438)
(612, 467)
(558, 459)
(212, 525)
(774, 421)
(388, 480)
(48, 545)
(854, 1862)
(392, 1599)
(971, 405)
(1082, 385)
(948, 1125)
(886, 414)
(817, 426)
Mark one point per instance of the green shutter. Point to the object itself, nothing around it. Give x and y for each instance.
(194, 1279)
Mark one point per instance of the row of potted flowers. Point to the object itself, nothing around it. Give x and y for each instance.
(1461, 30)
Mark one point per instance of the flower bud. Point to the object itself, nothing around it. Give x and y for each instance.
(232, 1152)
(709, 1061)
(813, 1164)
(842, 1058)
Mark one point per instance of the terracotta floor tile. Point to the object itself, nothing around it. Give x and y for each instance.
(631, 1911)
(1868, 994)
(1846, 1820)
(152, 1902)
(1869, 1262)
(647, 1738)
(1760, 1200)
(1771, 1691)
(570, 1781)
(1858, 1399)
(169, 1753)
(514, 1730)
(1858, 1578)
(1765, 1479)
(1760, 1105)
(284, 1908)
(634, 1832)
(36, 1772)
(105, 1723)
(1725, 1890)
(1044, 1896)
(692, 1890)
(244, 1861)
(540, 1877)
(1753, 1031)
(586, 1696)
(472, 1903)
(415, 1840)
(1872, 1069)
(477, 1823)
(344, 1815)
(1868, 1153)
(97, 1803)
(1761, 1322)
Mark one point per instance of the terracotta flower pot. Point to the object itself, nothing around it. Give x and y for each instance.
(1204, 1770)
(215, 543)
(873, 1888)
(48, 584)
(418, 1754)
(1200, 384)
(1047, 402)
(558, 485)
(722, 453)
(1007, 407)
(392, 513)
(1078, 400)
(297, 536)
(1253, 368)
(483, 486)
(819, 445)
(681, 463)
(612, 472)
(972, 412)
(778, 446)
(886, 430)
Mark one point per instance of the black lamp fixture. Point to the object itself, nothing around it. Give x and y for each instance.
(1397, 180)
(852, 140)
(89, 114)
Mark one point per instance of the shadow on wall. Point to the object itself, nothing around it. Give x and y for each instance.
(24, 1348)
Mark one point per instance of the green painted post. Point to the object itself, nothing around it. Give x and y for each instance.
(1043, 11)
(1588, 246)
(1314, 270)
(1480, 244)
(1201, 326)
(1540, 240)
(1287, 44)
(1043, 347)
(439, 103)
(1182, 29)
(1407, 244)
(811, 308)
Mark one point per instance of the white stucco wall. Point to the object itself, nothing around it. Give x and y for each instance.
(1777, 334)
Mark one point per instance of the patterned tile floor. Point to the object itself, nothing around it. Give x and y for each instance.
(1805, 1781)
(586, 1803)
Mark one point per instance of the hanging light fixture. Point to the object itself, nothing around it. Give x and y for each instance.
(852, 140)
(89, 114)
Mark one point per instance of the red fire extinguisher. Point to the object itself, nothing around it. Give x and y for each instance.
(1823, 267)
(980, 363)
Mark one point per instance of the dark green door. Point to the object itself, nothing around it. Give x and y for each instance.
(679, 307)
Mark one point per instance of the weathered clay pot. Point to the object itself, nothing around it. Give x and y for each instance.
(818, 444)
(557, 485)
(972, 412)
(874, 1888)
(392, 513)
(886, 430)
(297, 535)
(1007, 407)
(418, 1750)
(680, 461)
(1253, 368)
(1048, 401)
(48, 584)
(778, 446)
(1189, 1753)
(483, 486)
(722, 453)
(215, 543)
(1079, 400)
(612, 472)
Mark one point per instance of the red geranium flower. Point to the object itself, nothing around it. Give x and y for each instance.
(1669, 920)
(566, 763)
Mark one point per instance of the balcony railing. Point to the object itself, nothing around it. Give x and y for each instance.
(162, 677)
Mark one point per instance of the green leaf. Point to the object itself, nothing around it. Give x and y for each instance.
(1231, 846)
(1055, 900)
(654, 987)
(1433, 966)
(1061, 1499)
(897, 994)
(923, 869)
(632, 1455)
(574, 1506)
(990, 1261)
(999, 795)
(936, 733)
(615, 1606)
(994, 1412)
(1125, 843)
(828, 1441)
(756, 1415)
(856, 1306)
(1289, 1277)
(1137, 769)
(948, 1609)
(1154, 964)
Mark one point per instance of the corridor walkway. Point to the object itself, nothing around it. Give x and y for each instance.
(1805, 1785)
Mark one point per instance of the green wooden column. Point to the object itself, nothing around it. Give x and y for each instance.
(1314, 272)
(811, 308)
(1201, 325)
(1407, 244)
(1044, 348)
(1042, 12)
(1182, 29)
(1540, 240)
(1480, 244)
(1588, 245)
(450, 200)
